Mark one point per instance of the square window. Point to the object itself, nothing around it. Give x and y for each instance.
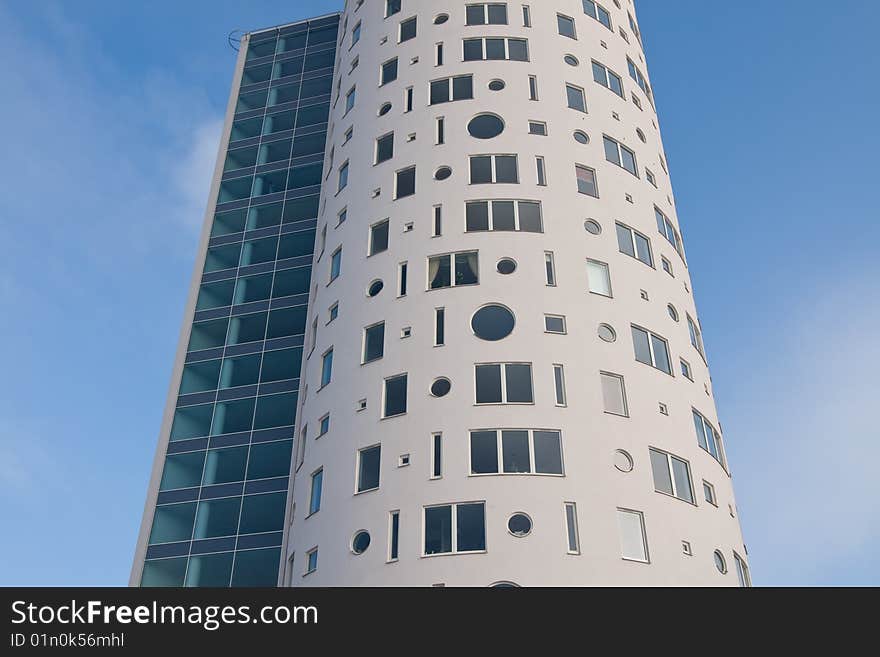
(554, 324)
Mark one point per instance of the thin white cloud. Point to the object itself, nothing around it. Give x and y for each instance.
(193, 173)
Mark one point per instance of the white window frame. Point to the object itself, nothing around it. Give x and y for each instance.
(436, 464)
(503, 367)
(645, 550)
(371, 245)
(653, 362)
(366, 330)
(635, 247)
(492, 157)
(357, 474)
(379, 139)
(499, 447)
(403, 375)
(506, 40)
(312, 510)
(707, 487)
(611, 375)
(516, 215)
(671, 474)
(454, 528)
(572, 533)
(485, 6)
(609, 73)
(596, 6)
(620, 149)
(452, 282)
(559, 386)
(573, 26)
(413, 19)
(564, 330)
(582, 92)
(607, 269)
(717, 440)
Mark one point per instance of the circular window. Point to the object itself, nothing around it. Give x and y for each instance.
(506, 266)
(581, 137)
(592, 227)
(571, 60)
(496, 85)
(493, 323)
(720, 563)
(442, 173)
(440, 19)
(375, 287)
(360, 542)
(504, 585)
(607, 333)
(384, 109)
(641, 135)
(673, 313)
(519, 525)
(623, 461)
(441, 387)
(485, 126)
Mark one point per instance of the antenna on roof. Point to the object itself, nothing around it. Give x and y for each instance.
(234, 39)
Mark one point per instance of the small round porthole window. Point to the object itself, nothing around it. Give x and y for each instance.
(439, 19)
(506, 266)
(519, 525)
(673, 313)
(375, 287)
(592, 227)
(641, 135)
(441, 387)
(623, 461)
(571, 60)
(581, 137)
(485, 126)
(442, 173)
(606, 332)
(384, 109)
(493, 323)
(360, 542)
(496, 85)
(720, 563)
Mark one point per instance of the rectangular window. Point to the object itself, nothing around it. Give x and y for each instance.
(527, 16)
(649, 176)
(315, 496)
(555, 324)
(455, 528)
(524, 216)
(349, 100)
(439, 327)
(405, 183)
(667, 266)
(388, 72)
(408, 29)
(571, 526)
(559, 383)
(496, 48)
(519, 451)
(586, 180)
(634, 27)
(369, 460)
(742, 571)
(378, 237)
(598, 12)
(672, 475)
(326, 367)
(491, 169)
(614, 394)
(634, 244)
(608, 78)
(436, 456)
(664, 225)
(651, 349)
(599, 278)
(374, 342)
(633, 544)
(538, 128)
(343, 178)
(686, 369)
(576, 98)
(392, 7)
(618, 154)
(453, 270)
(695, 335)
(402, 276)
(460, 87)
(504, 383)
(709, 493)
(636, 75)
(541, 171)
(336, 264)
(550, 268)
(438, 58)
(437, 225)
(441, 131)
(565, 24)
(333, 313)
(394, 539)
(384, 148)
(301, 447)
(324, 426)
(708, 438)
(395, 396)
(533, 87)
(487, 14)
(356, 34)
(312, 561)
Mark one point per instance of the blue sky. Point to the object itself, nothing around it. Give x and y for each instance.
(112, 114)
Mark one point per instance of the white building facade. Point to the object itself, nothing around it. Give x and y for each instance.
(504, 380)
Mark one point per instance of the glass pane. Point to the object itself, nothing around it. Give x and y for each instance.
(253, 288)
(495, 49)
(374, 343)
(268, 460)
(503, 217)
(164, 572)
(182, 471)
(440, 91)
(297, 244)
(484, 452)
(530, 217)
(640, 342)
(505, 169)
(440, 272)
(395, 396)
(275, 411)
(217, 518)
(643, 249)
(519, 384)
(379, 238)
(481, 169)
(240, 371)
(287, 321)
(406, 182)
(209, 570)
(466, 269)
(315, 501)
(281, 365)
(290, 282)
(471, 530)
(612, 154)
(661, 355)
(368, 473)
(632, 537)
(262, 513)
(232, 417)
(477, 216)
(438, 530)
(462, 87)
(256, 567)
(247, 328)
(576, 99)
(258, 251)
(660, 468)
(515, 450)
(192, 422)
(215, 295)
(624, 240)
(682, 480)
(492, 323)
(518, 50)
(208, 335)
(599, 74)
(548, 452)
(599, 280)
(224, 466)
(488, 379)
(613, 394)
(173, 523)
(571, 524)
(200, 377)
(476, 15)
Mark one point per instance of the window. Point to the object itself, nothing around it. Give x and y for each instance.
(439, 327)
(598, 12)
(576, 98)
(437, 224)
(446, 90)
(651, 349)
(496, 48)
(436, 456)
(633, 544)
(565, 25)
(343, 178)
(672, 475)
(487, 14)
(488, 169)
(664, 225)
(550, 268)
(389, 72)
(618, 154)
(571, 526)
(335, 264)
(686, 369)
(378, 237)
(720, 563)
(695, 335)
(554, 324)
(742, 571)
(441, 130)
(634, 27)
(326, 368)
(614, 394)
(527, 16)
(312, 561)
(394, 530)
(533, 87)
(541, 171)
(523, 216)
(504, 383)
(453, 270)
(636, 75)
(356, 34)
(374, 342)
(408, 29)
(493, 322)
(438, 59)
(538, 128)
(520, 451)
(385, 148)
(315, 497)
(368, 468)
(402, 277)
(634, 244)
(392, 7)
(395, 396)
(599, 278)
(709, 493)
(559, 383)
(485, 126)
(586, 180)
(649, 176)
(324, 426)
(455, 528)
(607, 78)
(405, 182)
(667, 266)
(708, 438)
